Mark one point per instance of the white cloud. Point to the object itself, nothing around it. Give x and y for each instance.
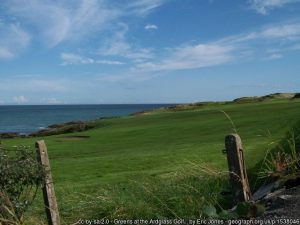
(19, 99)
(142, 7)
(74, 59)
(151, 27)
(109, 62)
(191, 57)
(264, 6)
(288, 31)
(70, 58)
(282, 31)
(119, 46)
(13, 40)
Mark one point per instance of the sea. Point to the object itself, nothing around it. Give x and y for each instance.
(25, 119)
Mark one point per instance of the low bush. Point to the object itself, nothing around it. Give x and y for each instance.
(20, 178)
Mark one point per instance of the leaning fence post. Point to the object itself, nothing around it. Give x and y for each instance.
(237, 168)
(48, 188)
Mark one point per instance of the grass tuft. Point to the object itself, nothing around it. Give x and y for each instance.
(284, 158)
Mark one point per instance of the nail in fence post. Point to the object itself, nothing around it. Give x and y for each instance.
(237, 169)
(48, 188)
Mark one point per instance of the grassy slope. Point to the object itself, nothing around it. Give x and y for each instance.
(157, 144)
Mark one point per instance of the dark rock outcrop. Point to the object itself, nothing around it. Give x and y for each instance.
(70, 127)
(9, 135)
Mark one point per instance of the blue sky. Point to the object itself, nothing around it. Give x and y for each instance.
(147, 51)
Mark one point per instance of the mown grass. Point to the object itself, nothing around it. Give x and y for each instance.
(141, 166)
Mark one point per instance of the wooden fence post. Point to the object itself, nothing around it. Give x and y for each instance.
(237, 169)
(48, 188)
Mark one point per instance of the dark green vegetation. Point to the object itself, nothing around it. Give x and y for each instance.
(157, 165)
(20, 178)
(283, 161)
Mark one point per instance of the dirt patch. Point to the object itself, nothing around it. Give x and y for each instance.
(74, 138)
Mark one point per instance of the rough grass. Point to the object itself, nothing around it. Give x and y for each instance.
(283, 158)
(101, 175)
(179, 195)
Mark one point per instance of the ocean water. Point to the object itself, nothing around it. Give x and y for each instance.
(28, 119)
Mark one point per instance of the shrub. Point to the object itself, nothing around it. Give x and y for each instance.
(20, 178)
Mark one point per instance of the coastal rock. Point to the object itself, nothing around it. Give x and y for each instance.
(9, 135)
(70, 127)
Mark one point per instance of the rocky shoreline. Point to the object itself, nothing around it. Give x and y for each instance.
(63, 128)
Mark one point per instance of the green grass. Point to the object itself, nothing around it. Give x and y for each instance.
(147, 150)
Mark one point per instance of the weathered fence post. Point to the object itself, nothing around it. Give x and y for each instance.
(237, 168)
(48, 188)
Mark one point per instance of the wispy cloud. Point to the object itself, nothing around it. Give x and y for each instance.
(74, 59)
(151, 27)
(191, 57)
(264, 6)
(231, 49)
(271, 40)
(54, 22)
(58, 21)
(286, 31)
(13, 40)
(119, 46)
(142, 7)
(289, 31)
